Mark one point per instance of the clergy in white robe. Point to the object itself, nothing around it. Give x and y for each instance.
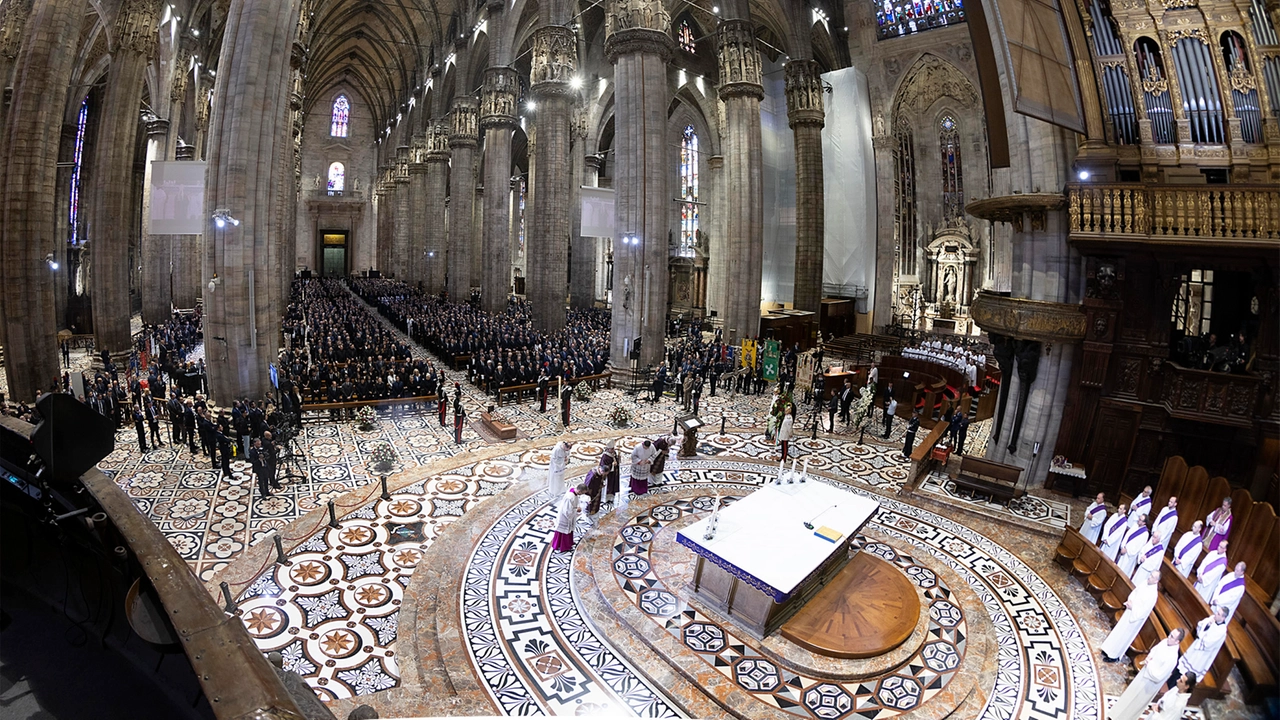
(1211, 632)
(1211, 569)
(1173, 702)
(1161, 662)
(1094, 516)
(559, 462)
(1149, 560)
(641, 460)
(1129, 551)
(1113, 533)
(1137, 609)
(567, 519)
(1229, 591)
(1140, 508)
(1187, 551)
(1167, 521)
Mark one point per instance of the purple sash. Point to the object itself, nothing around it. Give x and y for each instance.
(1220, 561)
(1232, 584)
(1163, 514)
(1098, 509)
(1142, 502)
(1134, 534)
(1154, 549)
(1117, 526)
(1190, 545)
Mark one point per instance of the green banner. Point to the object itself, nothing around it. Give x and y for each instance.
(769, 359)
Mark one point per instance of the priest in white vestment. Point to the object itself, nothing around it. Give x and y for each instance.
(1136, 610)
(1211, 632)
(1187, 551)
(1094, 516)
(567, 518)
(1229, 591)
(1167, 521)
(1113, 533)
(1149, 560)
(641, 460)
(559, 463)
(1140, 508)
(1173, 702)
(1161, 662)
(1211, 569)
(1129, 551)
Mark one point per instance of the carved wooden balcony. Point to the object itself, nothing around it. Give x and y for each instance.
(1206, 396)
(1212, 215)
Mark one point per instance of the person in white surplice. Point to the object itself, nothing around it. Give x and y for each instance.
(1137, 608)
(1161, 662)
(1167, 521)
(559, 462)
(1094, 516)
(1188, 549)
(1132, 548)
(1211, 632)
(1229, 591)
(1149, 560)
(1173, 702)
(1113, 533)
(1211, 569)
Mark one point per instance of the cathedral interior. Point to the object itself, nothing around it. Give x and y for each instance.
(1007, 271)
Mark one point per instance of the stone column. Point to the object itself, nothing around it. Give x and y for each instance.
(498, 120)
(157, 293)
(386, 219)
(806, 116)
(416, 262)
(555, 59)
(249, 128)
(400, 260)
(43, 69)
(185, 259)
(717, 249)
(463, 139)
(639, 47)
(112, 206)
(437, 181)
(13, 22)
(741, 91)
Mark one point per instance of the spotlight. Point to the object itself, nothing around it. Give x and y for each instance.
(223, 216)
(1083, 175)
(53, 264)
(530, 105)
(575, 82)
(219, 222)
(715, 9)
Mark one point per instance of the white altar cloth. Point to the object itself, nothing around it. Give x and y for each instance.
(762, 538)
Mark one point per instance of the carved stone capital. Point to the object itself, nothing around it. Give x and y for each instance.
(638, 26)
(181, 75)
(739, 60)
(1028, 319)
(437, 143)
(401, 173)
(464, 127)
(498, 101)
(418, 153)
(135, 28)
(555, 60)
(13, 18)
(1014, 208)
(804, 93)
(157, 126)
(184, 151)
(632, 41)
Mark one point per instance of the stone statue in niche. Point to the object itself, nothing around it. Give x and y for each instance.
(879, 125)
(949, 286)
(317, 182)
(355, 185)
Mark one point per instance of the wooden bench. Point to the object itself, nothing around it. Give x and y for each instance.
(384, 402)
(520, 390)
(922, 456)
(496, 425)
(460, 360)
(1183, 607)
(1255, 634)
(998, 480)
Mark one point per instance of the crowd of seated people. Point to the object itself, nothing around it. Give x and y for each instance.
(505, 349)
(338, 351)
(971, 362)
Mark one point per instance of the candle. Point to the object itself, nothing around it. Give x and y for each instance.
(806, 466)
(793, 466)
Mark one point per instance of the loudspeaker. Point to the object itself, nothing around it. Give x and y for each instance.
(71, 438)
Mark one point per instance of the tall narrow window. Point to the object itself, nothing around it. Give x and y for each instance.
(341, 114)
(1155, 90)
(520, 209)
(904, 159)
(337, 178)
(688, 192)
(952, 177)
(74, 213)
(1244, 89)
(687, 42)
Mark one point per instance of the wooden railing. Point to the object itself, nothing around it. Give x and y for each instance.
(1172, 213)
(1206, 396)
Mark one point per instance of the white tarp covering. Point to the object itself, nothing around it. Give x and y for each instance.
(849, 182)
(177, 198)
(778, 160)
(598, 216)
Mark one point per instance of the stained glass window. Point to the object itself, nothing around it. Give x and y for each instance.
(337, 178)
(75, 173)
(688, 192)
(952, 177)
(341, 113)
(895, 18)
(520, 202)
(687, 41)
(905, 164)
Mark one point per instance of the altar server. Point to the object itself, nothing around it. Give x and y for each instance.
(1211, 569)
(612, 467)
(1140, 508)
(1218, 525)
(1161, 662)
(1167, 521)
(1211, 632)
(559, 462)
(1094, 516)
(1149, 559)
(641, 460)
(1134, 541)
(1229, 591)
(785, 431)
(1173, 702)
(567, 519)
(1113, 533)
(1188, 549)
(1137, 608)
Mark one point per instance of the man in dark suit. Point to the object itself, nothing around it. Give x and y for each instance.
(962, 431)
(846, 400)
(269, 457)
(909, 442)
(139, 424)
(224, 449)
(259, 468)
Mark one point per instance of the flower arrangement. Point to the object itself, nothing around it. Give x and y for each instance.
(581, 392)
(366, 416)
(620, 417)
(860, 413)
(383, 455)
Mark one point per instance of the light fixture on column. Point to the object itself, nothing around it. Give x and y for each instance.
(53, 264)
(222, 217)
(575, 82)
(1083, 175)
